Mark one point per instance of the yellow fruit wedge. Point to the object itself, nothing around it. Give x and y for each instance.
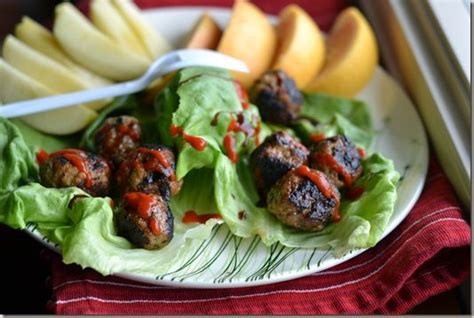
(42, 69)
(351, 58)
(301, 48)
(92, 49)
(205, 34)
(250, 38)
(39, 38)
(155, 44)
(107, 19)
(16, 86)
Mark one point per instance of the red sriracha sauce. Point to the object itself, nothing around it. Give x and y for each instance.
(77, 159)
(316, 137)
(41, 156)
(197, 143)
(192, 217)
(318, 178)
(157, 154)
(229, 146)
(143, 204)
(354, 193)
(331, 162)
(233, 125)
(362, 152)
(242, 93)
(336, 216)
(154, 226)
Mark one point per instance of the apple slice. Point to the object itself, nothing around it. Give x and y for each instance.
(301, 49)
(205, 34)
(92, 49)
(43, 69)
(155, 44)
(251, 38)
(108, 20)
(16, 86)
(42, 40)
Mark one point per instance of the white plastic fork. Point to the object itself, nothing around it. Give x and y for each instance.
(169, 62)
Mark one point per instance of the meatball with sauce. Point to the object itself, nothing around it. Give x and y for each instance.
(149, 169)
(277, 97)
(304, 199)
(145, 220)
(117, 137)
(273, 158)
(76, 168)
(338, 158)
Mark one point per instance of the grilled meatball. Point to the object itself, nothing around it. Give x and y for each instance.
(145, 220)
(272, 159)
(338, 158)
(149, 169)
(117, 137)
(304, 199)
(76, 168)
(277, 97)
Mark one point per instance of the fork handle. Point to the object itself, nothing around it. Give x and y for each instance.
(67, 100)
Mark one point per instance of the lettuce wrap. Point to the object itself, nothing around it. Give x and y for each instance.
(83, 228)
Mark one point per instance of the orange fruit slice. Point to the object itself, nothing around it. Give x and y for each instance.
(301, 49)
(251, 38)
(205, 34)
(351, 57)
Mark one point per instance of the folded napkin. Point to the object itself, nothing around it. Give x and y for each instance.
(428, 253)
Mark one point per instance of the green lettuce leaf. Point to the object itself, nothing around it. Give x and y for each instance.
(82, 226)
(362, 224)
(333, 115)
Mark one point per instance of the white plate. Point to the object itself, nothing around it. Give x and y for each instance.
(224, 260)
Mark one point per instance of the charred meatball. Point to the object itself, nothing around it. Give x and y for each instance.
(304, 199)
(272, 159)
(338, 158)
(277, 97)
(76, 168)
(145, 220)
(117, 137)
(149, 169)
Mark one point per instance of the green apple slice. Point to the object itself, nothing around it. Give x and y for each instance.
(153, 41)
(93, 49)
(107, 19)
(41, 68)
(17, 86)
(42, 40)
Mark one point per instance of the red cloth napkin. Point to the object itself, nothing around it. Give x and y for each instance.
(427, 254)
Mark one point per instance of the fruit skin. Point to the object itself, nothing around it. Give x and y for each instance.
(154, 43)
(42, 40)
(92, 49)
(251, 38)
(301, 49)
(205, 34)
(41, 68)
(107, 19)
(16, 86)
(351, 59)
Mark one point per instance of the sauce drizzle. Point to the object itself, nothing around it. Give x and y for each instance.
(316, 137)
(41, 156)
(331, 162)
(143, 204)
(242, 93)
(355, 193)
(318, 178)
(362, 152)
(229, 146)
(192, 217)
(196, 142)
(78, 159)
